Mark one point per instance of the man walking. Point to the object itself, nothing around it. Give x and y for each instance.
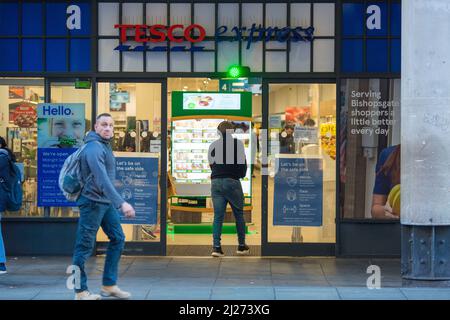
(228, 164)
(99, 203)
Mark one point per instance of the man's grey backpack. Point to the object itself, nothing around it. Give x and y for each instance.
(70, 181)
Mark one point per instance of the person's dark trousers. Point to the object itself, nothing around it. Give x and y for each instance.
(92, 216)
(223, 191)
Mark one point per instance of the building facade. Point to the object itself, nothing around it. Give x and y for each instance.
(337, 62)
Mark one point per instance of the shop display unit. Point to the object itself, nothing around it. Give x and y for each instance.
(195, 117)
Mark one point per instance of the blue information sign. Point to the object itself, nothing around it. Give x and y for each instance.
(50, 162)
(298, 192)
(137, 183)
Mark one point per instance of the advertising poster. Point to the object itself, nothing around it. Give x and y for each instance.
(61, 129)
(23, 114)
(298, 193)
(16, 92)
(369, 139)
(137, 183)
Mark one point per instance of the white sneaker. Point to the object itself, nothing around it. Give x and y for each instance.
(86, 295)
(114, 291)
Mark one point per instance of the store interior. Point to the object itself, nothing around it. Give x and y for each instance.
(136, 109)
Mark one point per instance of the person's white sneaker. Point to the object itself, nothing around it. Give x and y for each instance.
(86, 295)
(114, 291)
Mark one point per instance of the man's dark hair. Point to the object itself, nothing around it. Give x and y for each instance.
(289, 126)
(103, 115)
(224, 126)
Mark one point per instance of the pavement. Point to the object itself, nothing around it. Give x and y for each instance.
(228, 278)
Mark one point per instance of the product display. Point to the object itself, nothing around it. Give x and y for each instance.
(190, 143)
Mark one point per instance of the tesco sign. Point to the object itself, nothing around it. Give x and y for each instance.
(159, 33)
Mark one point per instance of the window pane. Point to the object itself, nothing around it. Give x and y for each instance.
(302, 131)
(323, 56)
(108, 58)
(324, 19)
(108, 16)
(353, 19)
(32, 58)
(136, 110)
(352, 56)
(10, 55)
(31, 19)
(56, 22)
(377, 56)
(80, 55)
(370, 148)
(56, 55)
(9, 19)
(20, 132)
(66, 93)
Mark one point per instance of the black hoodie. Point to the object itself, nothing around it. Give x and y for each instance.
(218, 153)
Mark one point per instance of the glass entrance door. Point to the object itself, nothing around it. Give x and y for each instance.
(300, 184)
(140, 135)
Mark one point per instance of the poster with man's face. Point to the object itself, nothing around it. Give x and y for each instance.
(61, 125)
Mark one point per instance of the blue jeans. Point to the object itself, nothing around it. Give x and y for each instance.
(92, 216)
(2, 246)
(223, 191)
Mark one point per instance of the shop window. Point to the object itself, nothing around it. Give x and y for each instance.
(302, 137)
(370, 149)
(67, 93)
(18, 126)
(136, 110)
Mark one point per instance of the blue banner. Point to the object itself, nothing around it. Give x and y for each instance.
(137, 183)
(298, 192)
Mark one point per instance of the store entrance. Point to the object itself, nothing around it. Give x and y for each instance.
(139, 144)
(190, 210)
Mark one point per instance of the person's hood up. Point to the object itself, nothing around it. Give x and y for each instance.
(93, 136)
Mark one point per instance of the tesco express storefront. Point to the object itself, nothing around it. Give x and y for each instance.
(329, 69)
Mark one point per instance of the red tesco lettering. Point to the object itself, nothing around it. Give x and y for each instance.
(159, 33)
